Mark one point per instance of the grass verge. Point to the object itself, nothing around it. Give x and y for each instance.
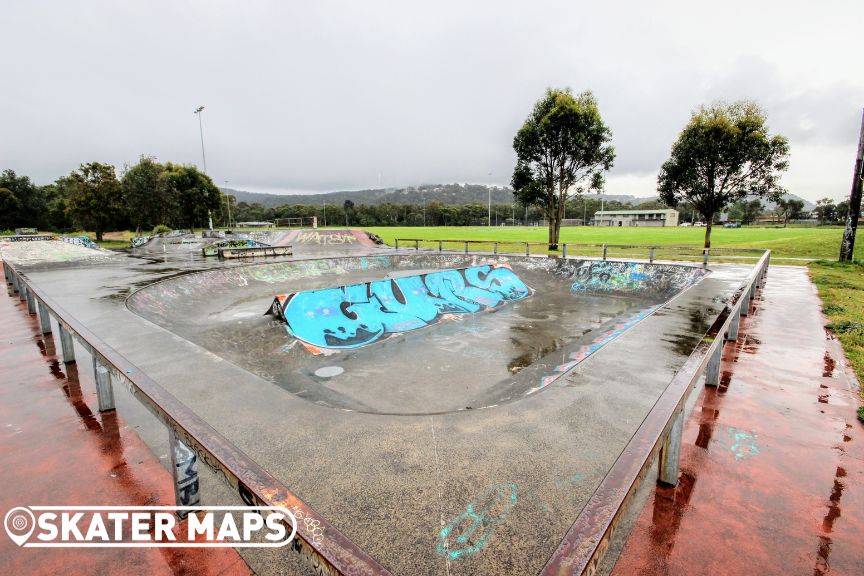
(841, 288)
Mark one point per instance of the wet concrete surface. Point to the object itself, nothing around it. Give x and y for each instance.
(470, 492)
(468, 362)
(772, 462)
(56, 449)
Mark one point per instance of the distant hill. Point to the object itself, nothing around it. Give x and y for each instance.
(444, 193)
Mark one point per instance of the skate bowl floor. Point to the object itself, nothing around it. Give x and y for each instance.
(466, 447)
(568, 310)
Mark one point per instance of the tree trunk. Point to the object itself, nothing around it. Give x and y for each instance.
(98, 235)
(847, 245)
(708, 224)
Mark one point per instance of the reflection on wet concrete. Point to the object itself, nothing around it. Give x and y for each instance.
(48, 457)
(757, 449)
(466, 362)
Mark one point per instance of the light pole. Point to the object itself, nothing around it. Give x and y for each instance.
(198, 112)
(489, 215)
(228, 201)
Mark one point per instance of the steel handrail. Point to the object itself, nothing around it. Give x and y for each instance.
(333, 553)
(587, 540)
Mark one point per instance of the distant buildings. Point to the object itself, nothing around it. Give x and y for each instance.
(622, 218)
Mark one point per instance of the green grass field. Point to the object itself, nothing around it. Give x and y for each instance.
(821, 242)
(841, 288)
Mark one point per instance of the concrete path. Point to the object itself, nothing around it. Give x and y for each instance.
(56, 449)
(772, 478)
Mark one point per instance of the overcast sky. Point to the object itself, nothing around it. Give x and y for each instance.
(319, 96)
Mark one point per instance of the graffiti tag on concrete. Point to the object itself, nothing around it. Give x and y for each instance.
(359, 314)
(742, 443)
(470, 532)
(608, 276)
(315, 237)
(79, 241)
(213, 249)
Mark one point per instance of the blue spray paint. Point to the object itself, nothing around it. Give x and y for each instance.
(359, 314)
(742, 443)
(472, 529)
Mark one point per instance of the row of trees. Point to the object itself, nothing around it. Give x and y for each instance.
(94, 198)
(724, 154)
(429, 214)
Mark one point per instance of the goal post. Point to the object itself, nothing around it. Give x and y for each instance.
(300, 222)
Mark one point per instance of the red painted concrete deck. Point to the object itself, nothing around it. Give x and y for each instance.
(56, 449)
(772, 462)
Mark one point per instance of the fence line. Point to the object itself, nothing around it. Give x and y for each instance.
(649, 252)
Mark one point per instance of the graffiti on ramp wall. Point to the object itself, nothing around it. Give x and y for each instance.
(360, 314)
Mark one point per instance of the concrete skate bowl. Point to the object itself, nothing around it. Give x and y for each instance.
(305, 241)
(412, 334)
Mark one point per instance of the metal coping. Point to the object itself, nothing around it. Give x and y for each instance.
(585, 543)
(319, 542)
(587, 540)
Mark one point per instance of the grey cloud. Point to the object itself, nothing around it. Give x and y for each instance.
(330, 95)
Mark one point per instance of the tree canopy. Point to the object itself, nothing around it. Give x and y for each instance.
(145, 200)
(94, 199)
(789, 209)
(563, 148)
(724, 154)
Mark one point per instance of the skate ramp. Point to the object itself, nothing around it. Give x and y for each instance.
(433, 337)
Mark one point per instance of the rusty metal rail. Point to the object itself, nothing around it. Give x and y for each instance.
(585, 544)
(330, 552)
(647, 250)
(191, 439)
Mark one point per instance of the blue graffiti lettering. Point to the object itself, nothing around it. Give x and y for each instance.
(359, 314)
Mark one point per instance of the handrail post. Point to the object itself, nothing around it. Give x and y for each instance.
(670, 452)
(604, 251)
(705, 253)
(563, 250)
(651, 256)
(184, 469)
(44, 319)
(31, 302)
(66, 344)
(416, 245)
(6, 273)
(397, 244)
(15, 287)
(495, 247)
(22, 291)
(439, 245)
(732, 333)
(104, 390)
(712, 371)
(527, 249)
(745, 302)
(466, 246)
